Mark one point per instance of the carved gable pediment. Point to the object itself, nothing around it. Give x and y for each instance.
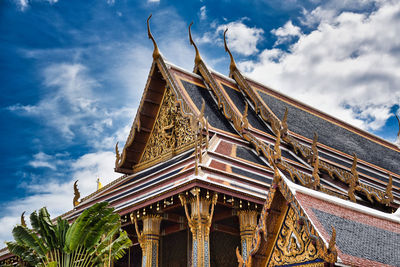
(172, 133)
(293, 244)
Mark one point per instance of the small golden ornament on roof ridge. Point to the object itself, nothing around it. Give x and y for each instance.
(156, 52)
(284, 124)
(77, 195)
(117, 155)
(232, 66)
(354, 171)
(397, 142)
(388, 190)
(197, 59)
(23, 223)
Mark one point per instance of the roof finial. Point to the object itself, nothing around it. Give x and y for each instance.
(156, 52)
(77, 195)
(332, 246)
(117, 155)
(398, 120)
(23, 223)
(397, 142)
(388, 191)
(198, 57)
(232, 66)
(284, 123)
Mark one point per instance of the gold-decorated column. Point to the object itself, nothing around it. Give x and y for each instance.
(248, 224)
(149, 239)
(202, 210)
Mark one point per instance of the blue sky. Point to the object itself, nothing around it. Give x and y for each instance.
(72, 74)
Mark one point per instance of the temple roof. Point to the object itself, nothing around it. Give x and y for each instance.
(332, 132)
(241, 109)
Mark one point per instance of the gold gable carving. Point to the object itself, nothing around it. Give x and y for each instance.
(172, 133)
(293, 243)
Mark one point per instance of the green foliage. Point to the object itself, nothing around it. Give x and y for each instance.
(93, 239)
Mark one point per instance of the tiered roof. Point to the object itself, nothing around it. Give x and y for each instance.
(248, 141)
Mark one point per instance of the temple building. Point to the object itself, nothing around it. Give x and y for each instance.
(224, 171)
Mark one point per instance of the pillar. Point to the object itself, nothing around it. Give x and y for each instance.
(149, 239)
(248, 225)
(202, 210)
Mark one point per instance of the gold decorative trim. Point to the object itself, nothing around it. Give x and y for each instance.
(199, 220)
(248, 225)
(232, 66)
(310, 248)
(284, 123)
(197, 59)
(149, 238)
(156, 52)
(172, 133)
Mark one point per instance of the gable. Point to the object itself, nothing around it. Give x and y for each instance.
(172, 133)
(285, 235)
(293, 243)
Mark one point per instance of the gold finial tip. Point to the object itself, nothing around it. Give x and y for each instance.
(190, 33)
(226, 47)
(198, 57)
(232, 65)
(23, 223)
(156, 53)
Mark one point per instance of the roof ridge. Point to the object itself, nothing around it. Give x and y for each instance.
(340, 121)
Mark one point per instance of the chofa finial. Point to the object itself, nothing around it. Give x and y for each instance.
(198, 57)
(77, 195)
(23, 223)
(232, 66)
(397, 142)
(156, 52)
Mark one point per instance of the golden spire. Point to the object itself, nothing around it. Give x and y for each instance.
(23, 223)
(99, 185)
(77, 195)
(198, 57)
(232, 66)
(156, 52)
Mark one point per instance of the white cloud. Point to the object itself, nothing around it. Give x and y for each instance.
(57, 195)
(72, 103)
(24, 4)
(42, 160)
(241, 38)
(203, 13)
(286, 33)
(153, 1)
(69, 102)
(327, 11)
(348, 66)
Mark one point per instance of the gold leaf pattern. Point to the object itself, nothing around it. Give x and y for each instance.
(171, 131)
